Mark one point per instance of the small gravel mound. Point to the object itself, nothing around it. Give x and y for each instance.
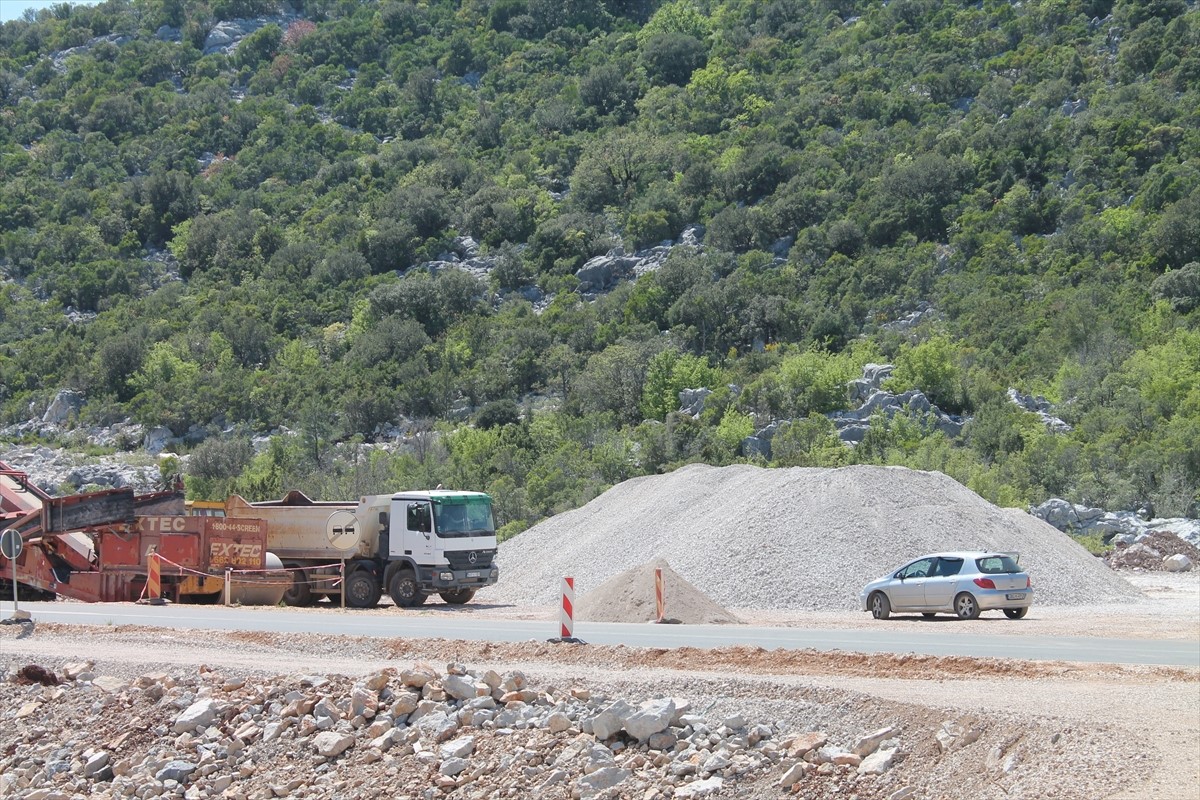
(630, 597)
(789, 539)
(1151, 551)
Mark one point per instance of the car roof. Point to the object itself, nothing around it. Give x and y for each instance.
(963, 554)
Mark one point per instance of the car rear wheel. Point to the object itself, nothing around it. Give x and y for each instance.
(966, 607)
(1016, 613)
(881, 608)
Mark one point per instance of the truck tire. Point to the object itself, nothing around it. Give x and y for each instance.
(459, 597)
(363, 589)
(298, 592)
(404, 589)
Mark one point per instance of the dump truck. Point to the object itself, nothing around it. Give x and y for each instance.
(410, 544)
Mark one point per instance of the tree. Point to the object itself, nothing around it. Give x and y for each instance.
(1176, 236)
(607, 90)
(260, 46)
(933, 367)
(1180, 287)
(613, 380)
(668, 373)
(671, 58)
(562, 244)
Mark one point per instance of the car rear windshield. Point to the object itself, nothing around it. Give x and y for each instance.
(996, 565)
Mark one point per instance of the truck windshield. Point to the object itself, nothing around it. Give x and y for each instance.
(468, 517)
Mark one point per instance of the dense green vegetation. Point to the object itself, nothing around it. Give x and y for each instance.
(242, 225)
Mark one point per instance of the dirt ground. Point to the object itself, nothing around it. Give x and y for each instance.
(1148, 716)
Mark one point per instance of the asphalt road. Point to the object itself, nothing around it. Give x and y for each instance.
(459, 624)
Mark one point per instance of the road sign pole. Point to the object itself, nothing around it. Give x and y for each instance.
(10, 547)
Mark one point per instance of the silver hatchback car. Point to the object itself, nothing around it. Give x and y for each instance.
(963, 584)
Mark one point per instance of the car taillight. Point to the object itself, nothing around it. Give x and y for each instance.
(1028, 583)
(985, 583)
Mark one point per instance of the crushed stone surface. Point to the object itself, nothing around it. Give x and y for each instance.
(1062, 744)
(799, 539)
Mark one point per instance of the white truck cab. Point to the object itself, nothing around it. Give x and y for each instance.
(441, 542)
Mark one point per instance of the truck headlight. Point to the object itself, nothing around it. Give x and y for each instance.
(446, 576)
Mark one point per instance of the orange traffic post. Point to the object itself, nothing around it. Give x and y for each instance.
(154, 579)
(660, 603)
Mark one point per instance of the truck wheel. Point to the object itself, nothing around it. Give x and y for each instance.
(458, 598)
(298, 592)
(405, 591)
(363, 590)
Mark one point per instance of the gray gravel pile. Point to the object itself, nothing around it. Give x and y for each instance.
(789, 539)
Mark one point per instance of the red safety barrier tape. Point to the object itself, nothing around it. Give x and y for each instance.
(292, 569)
(182, 569)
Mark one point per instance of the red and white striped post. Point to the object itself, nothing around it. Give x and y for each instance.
(566, 614)
(658, 593)
(154, 579)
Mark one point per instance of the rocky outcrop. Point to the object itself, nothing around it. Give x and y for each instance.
(424, 732)
(59, 59)
(852, 426)
(1114, 527)
(603, 273)
(1041, 407)
(63, 407)
(691, 401)
(871, 381)
(54, 471)
(908, 323)
(597, 276)
(225, 36)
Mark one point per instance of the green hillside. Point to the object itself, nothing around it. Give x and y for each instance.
(222, 243)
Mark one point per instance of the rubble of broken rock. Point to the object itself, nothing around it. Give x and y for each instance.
(1155, 552)
(411, 733)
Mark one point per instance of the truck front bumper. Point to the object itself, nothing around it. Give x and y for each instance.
(440, 578)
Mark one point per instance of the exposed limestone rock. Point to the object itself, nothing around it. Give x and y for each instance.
(1116, 527)
(198, 715)
(869, 743)
(1041, 407)
(878, 762)
(332, 743)
(954, 734)
(1177, 563)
